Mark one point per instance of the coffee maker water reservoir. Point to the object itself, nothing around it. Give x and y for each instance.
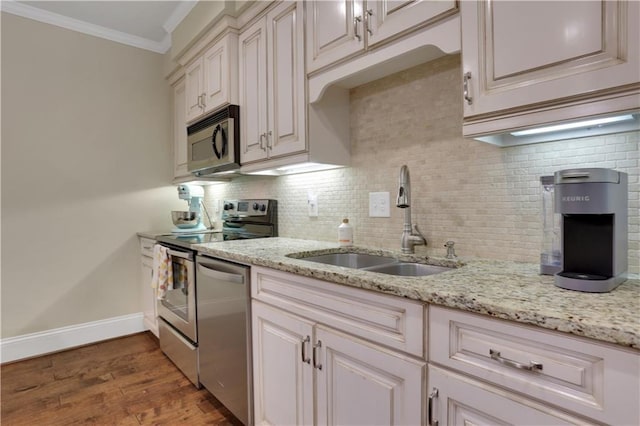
(593, 207)
(550, 255)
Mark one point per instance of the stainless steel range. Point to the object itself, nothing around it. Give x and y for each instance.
(204, 321)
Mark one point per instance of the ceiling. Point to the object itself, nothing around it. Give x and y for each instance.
(144, 24)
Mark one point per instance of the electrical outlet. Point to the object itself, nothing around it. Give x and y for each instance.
(379, 204)
(312, 204)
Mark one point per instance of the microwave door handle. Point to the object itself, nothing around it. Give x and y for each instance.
(181, 254)
(219, 275)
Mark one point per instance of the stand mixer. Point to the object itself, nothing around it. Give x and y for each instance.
(189, 221)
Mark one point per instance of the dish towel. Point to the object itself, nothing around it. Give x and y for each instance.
(162, 279)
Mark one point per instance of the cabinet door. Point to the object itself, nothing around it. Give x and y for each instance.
(285, 53)
(253, 92)
(220, 80)
(179, 130)
(389, 18)
(523, 53)
(194, 77)
(462, 401)
(149, 299)
(362, 383)
(215, 73)
(282, 373)
(334, 31)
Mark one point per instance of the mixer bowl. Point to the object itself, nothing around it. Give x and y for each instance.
(183, 219)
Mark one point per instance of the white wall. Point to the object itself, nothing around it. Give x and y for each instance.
(86, 163)
(483, 197)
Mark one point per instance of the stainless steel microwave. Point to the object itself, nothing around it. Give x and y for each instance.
(213, 143)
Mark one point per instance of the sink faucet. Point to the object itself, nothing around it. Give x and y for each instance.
(409, 238)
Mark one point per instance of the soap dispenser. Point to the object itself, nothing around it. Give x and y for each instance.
(345, 234)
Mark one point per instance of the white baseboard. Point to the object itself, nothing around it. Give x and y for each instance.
(57, 339)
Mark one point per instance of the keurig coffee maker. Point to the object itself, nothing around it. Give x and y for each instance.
(593, 208)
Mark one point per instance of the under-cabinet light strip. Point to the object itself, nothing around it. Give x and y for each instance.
(575, 125)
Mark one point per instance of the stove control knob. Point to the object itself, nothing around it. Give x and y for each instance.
(256, 206)
(263, 207)
(228, 206)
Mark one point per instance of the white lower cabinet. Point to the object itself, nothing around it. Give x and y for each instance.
(282, 382)
(306, 372)
(547, 376)
(359, 383)
(148, 294)
(458, 400)
(328, 354)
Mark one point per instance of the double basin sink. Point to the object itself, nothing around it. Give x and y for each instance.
(374, 263)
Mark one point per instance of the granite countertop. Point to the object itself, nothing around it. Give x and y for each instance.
(153, 234)
(502, 289)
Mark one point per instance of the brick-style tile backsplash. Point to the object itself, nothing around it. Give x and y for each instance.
(485, 198)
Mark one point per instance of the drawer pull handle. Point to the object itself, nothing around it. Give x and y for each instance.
(432, 396)
(466, 89)
(357, 20)
(305, 358)
(532, 366)
(316, 347)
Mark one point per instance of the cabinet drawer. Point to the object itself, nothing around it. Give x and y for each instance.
(460, 400)
(590, 378)
(391, 321)
(181, 352)
(146, 246)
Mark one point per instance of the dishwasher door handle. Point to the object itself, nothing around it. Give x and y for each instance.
(219, 275)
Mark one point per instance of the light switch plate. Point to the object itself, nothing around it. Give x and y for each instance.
(379, 204)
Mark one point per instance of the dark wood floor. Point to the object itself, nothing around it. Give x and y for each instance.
(125, 381)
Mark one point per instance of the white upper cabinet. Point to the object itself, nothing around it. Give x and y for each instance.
(334, 31)
(530, 56)
(385, 19)
(211, 79)
(337, 30)
(179, 130)
(193, 93)
(272, 96)
(253, 92)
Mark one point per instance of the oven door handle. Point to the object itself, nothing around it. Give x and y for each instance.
(219, 275)
(181, 254)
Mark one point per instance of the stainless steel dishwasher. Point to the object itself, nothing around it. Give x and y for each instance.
(224, 334)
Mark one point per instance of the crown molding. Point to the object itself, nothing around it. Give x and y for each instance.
(178, 15)
(55, 19)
